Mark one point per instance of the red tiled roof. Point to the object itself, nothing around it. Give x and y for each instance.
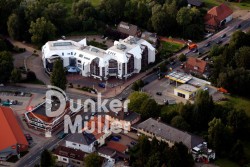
(211, 20)
(11, 133)
(117, 146)
(220, 12)
(194, 62)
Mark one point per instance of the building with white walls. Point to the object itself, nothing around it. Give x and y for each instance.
(125, 58)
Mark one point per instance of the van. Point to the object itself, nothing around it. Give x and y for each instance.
(61, 135)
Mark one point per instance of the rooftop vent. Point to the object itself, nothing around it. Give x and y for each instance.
(121, 46)
(94, 50)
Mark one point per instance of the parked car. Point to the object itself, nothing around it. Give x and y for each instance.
(238, 26)
(195, 50)
(219, 42)
(102, 85)
(207, 44)
(61, 135)
(172, 63)
(133, 143)
(121, 98)
(115, 138)
(28, 137)
(223, 36)
(93, 113)
(158, 93)
(118, 136)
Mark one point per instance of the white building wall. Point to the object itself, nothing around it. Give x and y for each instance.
(62, 159)
(229, 18)
(85, 148)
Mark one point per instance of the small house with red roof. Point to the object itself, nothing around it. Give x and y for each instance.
(197, 66)
(12, 139)
(217, 17)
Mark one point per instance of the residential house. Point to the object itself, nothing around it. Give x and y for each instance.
(217, 17)
(92, 136)
(68, 156)
(196, 66)
(122, 120)
(12, 139)
(150, 37)
(128, 29)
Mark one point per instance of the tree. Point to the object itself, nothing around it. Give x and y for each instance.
(243, 58)
(160, 22)
(3, 46)
(154, 160)
(219, 137)
(149, 108)
(93, 160)
(30, 76)
(184, 17)
(203, 110)
(13, 25)
(182, 57)
(136, 100)
(239, 39)
(42, 30)
(58, 76)
(237, 153)
(180, 123)
(168, 113)
(6, 66)
(15, 75)
(179, 156)
(239, 121)
(47, 159)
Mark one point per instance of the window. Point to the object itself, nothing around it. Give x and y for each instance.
(181, 95)
(62, 53)
(73, 144)
(71, 53)
(64, 159)
(79, 61)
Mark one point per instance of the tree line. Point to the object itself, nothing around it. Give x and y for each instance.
(223, 126)
(231, 64)
(39, 21)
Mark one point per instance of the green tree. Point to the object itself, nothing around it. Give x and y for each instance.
(41, 30)
(6, 66)
(93, 160)
(239, 121)
(180, 123)
(136, 100)
(237, 153)
(203, 110)
(15, 75)
(83, 9)
(239, 39)
(179, 156)
(168, 113)
(13, 25)
(154, 160)
(182, 57)
(149, 108)
(184, 17)
(47, 159)
(3, 46)
(160, 22)
(58, 76)
(243, 58)
(219, 137)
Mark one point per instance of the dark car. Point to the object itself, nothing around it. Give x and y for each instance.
(118, 136)
(238, 26)
(159, 93)
(115, 138)
(223, 36)
(61, 135)
(207, 44)
(133, 143)
(122, 98)
(219, 42)
(102, 85)
(28, 137)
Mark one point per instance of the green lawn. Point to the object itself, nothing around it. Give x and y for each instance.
(225, 163)
(171, 46)
(240, 103)
(234, 5)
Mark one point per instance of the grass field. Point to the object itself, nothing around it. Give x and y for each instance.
(239, 103)
(225, 163)
(234, 5)
(171, 47)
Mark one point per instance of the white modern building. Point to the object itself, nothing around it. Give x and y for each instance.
(122, 60)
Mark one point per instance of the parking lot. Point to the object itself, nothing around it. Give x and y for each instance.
(166, 89)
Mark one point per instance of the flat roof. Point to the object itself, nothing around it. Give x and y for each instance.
(179, 77)
(188, 88)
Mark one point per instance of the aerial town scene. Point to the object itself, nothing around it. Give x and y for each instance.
(124, 83)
